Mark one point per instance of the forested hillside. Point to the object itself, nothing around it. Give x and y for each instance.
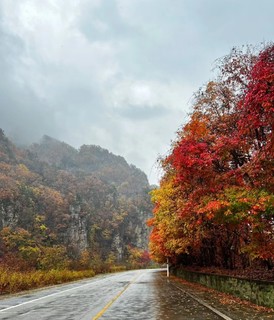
(215, 204)
(66, 208)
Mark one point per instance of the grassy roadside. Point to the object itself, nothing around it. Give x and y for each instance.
(14, 281)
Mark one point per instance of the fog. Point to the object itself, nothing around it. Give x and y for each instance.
(115, 73)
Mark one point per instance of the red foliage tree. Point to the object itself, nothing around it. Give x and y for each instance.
(218, 210)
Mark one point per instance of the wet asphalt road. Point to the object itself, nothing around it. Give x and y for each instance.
(139, 294)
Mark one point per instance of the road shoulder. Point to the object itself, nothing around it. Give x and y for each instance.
(232, 306)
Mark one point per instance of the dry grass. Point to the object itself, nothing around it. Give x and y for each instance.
(11, 282)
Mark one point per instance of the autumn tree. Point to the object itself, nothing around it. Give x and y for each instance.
(215, 201)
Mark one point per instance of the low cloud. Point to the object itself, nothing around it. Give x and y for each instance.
(116, 73)
(142, 113)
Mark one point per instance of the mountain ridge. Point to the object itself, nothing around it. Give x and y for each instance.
(90, 202)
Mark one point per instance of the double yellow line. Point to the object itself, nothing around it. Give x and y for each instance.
(99, 314)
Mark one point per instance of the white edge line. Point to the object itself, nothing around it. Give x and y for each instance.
(51, 295)
(219, 313)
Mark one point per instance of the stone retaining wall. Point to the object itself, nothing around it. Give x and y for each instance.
(258, 292)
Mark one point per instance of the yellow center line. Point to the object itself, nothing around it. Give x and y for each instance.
(99, 314)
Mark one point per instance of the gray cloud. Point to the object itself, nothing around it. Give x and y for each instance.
(117, 73)
(143, 113)
(20, 108)
(106, 24)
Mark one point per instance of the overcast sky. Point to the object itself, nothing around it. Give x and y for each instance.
(115, 73)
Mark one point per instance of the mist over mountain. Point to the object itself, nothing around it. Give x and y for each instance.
(94, 160)
(88, 202)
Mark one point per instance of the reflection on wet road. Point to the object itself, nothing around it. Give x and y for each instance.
(153, 297)
(139, 294)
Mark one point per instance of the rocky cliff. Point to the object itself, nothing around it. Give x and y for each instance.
(89, 202)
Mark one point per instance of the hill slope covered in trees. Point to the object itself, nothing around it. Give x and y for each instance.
(67, 208)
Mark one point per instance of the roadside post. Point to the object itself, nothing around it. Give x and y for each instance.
(167, 267)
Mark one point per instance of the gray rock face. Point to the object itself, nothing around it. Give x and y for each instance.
(88, 200)
(8, 216)
(77, 230)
